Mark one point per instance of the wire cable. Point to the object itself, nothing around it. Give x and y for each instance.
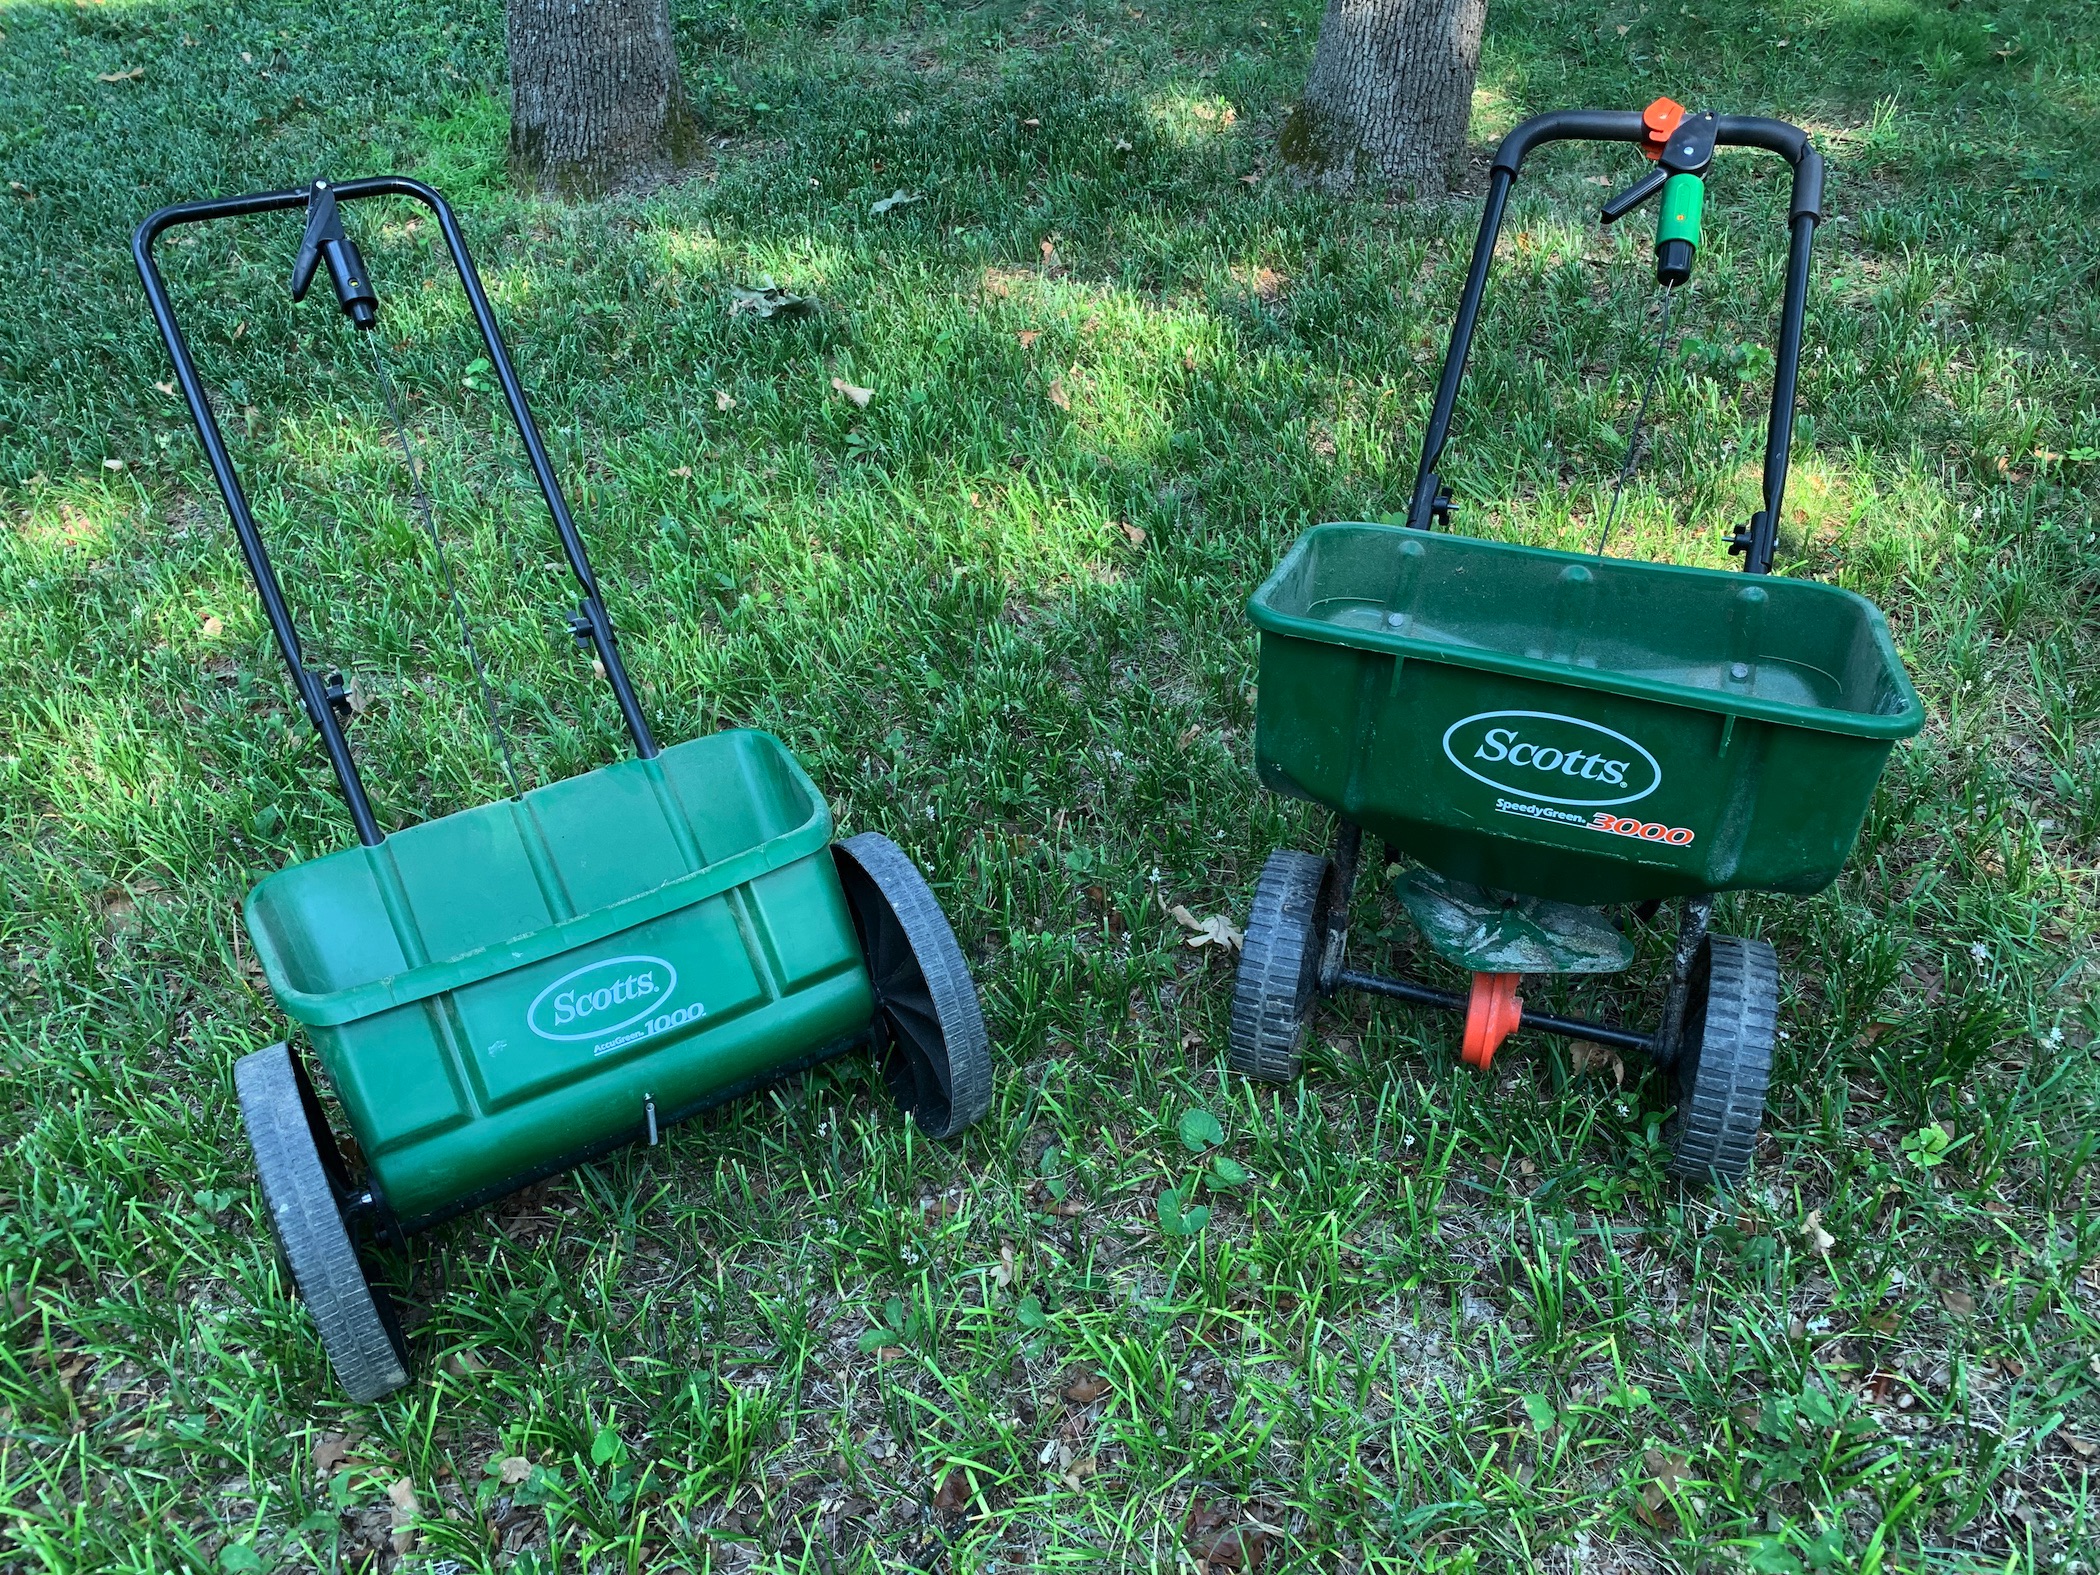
(459, 608)
(1640, 417)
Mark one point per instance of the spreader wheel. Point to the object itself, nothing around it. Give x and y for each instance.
(936, 1057)
(1731, 1010)
(356, 1320)
(1272, 1000)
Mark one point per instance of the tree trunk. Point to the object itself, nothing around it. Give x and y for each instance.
(1389, 96)
(596, 103)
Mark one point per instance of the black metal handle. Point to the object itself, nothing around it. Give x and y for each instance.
(312, 686)
(1609, 125)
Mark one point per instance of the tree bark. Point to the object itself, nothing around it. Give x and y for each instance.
(596, 103)
(1389, 96)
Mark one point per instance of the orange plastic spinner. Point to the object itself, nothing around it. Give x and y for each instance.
(1493, 1011)
(1659, 120)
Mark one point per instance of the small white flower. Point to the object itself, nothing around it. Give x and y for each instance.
(1980, 952)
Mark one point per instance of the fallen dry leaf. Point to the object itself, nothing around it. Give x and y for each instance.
(1028, 337)
(513, 1469)
(1134, 534)
(1077, 1473)
(2084, 1447)
(1666, 1472)
(724, 400)
(1219, 1536)
(1048, 248)
(1819, 1240)
(402, 1495)
(1086, 1389)
(953, 1493)
(1031, 123)
(464, 1363)
(1122, 146)
(857, 395)
(333, 1450)
(1003, 1271)
(166, 388)
(213, 628)
(122, 76)
(1584, 1054)
(896, 199)
(1211, 930)
(768, 300)
(1956, 1301)
(1057, 395)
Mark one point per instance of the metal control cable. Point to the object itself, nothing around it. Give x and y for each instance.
(1640, 418)
(459, 608)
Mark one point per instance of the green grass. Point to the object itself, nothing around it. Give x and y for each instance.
(1449, 1323)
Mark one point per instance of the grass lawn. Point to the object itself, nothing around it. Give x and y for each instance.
(1117, 364)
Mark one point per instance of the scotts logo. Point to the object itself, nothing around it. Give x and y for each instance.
(602, 997)
(1551, 759)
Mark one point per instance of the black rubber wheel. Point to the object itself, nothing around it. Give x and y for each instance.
(357, 1324)
(936, 1057)
(1731, 1012)
(1272, 1000)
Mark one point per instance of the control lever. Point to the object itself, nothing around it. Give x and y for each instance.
(327, 241)
(1684, 154)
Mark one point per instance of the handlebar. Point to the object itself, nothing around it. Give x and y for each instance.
(320, 697)
(1758, 540)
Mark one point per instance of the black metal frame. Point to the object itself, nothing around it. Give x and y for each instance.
(1757, 540)
(1331, 918)
(323, 694)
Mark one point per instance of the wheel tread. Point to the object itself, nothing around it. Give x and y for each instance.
(947, 974)
(1272, 997)
(1726, 1069)
(309, 1227)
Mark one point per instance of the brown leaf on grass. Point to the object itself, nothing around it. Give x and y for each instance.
(1213, 929)
(1086, 1389)
(1048, 247)
(464, 1363)
(768, 300)
(1665, 1473)
(1819, 1240)
(1220, 1537)
(2085, 1448)
(724, 400)
(1134, 534)
(122, 76)
(1957, 1301)
(1584, 1054)
(402, 1495)
(1057, 395)
(332, 1451)
(954, 1491)
(1028, 336)
(855, 395)
(1003, 1271)
(513, 1469)
(213, 628)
